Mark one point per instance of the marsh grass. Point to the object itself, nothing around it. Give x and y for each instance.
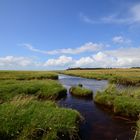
(26, 118)
(81, 92)
(138, 131)
(27, 75)
(120, 76)
(122, 102)
(43, 89)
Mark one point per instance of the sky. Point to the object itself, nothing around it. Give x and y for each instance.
(58, 34)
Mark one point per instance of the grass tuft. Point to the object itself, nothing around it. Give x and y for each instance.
(81, 92)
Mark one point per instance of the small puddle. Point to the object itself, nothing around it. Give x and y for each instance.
(98, 124)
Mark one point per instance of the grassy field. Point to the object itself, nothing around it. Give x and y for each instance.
(27, 110)
(42, 89)
(27, 75)
(81, 92)
(27, 118)
(121, 76)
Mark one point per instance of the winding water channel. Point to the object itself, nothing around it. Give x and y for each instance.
(98, 124)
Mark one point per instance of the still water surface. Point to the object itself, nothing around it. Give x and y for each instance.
(98, 124)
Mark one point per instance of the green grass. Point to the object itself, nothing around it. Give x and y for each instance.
(27, 75)
(127, 106)
(122, 102)
(138, 131)
(26, 118)
(43, 89)
(81, 92)
(121, 76)
(24, 112)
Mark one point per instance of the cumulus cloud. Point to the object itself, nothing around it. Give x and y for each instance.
(83, 62)
(122, 57)
(11, 62)
(99, 59)
(130, 16)
(119, 57)
(87, 47)
(61, 61)
(121, 40)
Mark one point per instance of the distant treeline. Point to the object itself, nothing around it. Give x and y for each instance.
(78, 68)
(135, 68)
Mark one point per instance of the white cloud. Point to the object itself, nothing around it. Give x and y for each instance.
(130, 16)
(119, 57)
(11, 62)
(131, 52)
(61, 61)
(122, 57)
(121, 40)
(99, 59)
(87, 47)
(83, 62)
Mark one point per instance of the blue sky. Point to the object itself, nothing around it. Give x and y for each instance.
(56, 34)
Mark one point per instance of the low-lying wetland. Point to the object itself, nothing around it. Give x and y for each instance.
(99, 123)
(26, 113)
(35, 105)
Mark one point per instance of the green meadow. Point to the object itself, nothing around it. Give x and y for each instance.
(27, 75)
(28, 109)
(42, 89)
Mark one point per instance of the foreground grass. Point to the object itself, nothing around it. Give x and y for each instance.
(43, 89)
(137, 136)
(120, 76)
(27, 75)
(81, 92)
(26, 118)
(122, 102)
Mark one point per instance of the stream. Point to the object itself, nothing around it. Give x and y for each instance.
(98, 124)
